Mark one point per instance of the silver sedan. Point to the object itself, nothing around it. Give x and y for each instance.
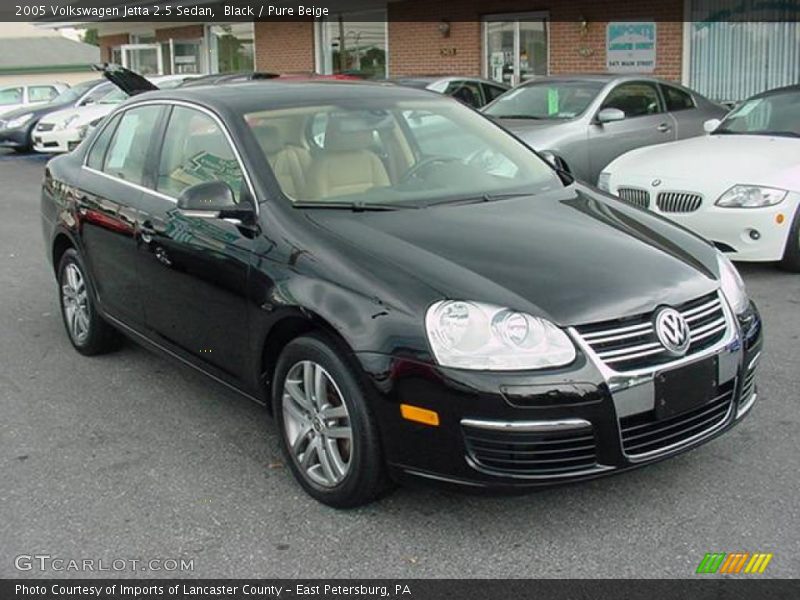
(587, 121)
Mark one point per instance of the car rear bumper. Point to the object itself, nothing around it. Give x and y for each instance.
(513, 431)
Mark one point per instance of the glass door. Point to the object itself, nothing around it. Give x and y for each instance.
(145, 59)
(515, 47)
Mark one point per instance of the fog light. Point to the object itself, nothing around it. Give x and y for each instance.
(754, 235)
(419, 415)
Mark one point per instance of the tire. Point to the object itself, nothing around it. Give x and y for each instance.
(336, 469)
(791, 255)
(86, 329)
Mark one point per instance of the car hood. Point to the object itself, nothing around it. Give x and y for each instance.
(38, 110)
(86, 114)
(574, 256)
(722, 160)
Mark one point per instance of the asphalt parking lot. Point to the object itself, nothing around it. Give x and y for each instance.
(127, 456)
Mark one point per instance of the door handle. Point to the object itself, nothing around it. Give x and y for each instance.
(146, 232)
(663, 127)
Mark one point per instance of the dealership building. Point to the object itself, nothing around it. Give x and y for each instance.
(726, 49)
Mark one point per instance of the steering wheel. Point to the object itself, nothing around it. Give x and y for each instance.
(424, 164)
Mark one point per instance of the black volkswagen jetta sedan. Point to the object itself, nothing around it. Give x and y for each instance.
(411, 290)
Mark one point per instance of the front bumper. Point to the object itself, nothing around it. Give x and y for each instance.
(520, 430)
(56, 141)
(15, 138)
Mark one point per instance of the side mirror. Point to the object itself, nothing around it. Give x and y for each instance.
(212, 200)
(608, 115)
(710, 125)
(555, 160)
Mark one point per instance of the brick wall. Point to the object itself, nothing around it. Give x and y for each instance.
(284, 46)
(188, 32)
(417, 47)
(109, 41)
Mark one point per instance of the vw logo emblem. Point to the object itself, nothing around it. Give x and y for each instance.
(656, 182)
(672, 331)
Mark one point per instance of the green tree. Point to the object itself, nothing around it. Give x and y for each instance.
(90, 37)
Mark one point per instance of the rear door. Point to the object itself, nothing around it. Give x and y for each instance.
(194, 270)
(646, 122)
(111, 191)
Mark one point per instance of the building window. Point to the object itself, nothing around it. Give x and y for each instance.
(353, 44)
(231, 48)
(732, 60)
(515, 47)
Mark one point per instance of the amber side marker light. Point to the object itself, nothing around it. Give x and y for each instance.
(419, 415)
(779, 218)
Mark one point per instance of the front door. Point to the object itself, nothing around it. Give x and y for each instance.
(646, 122)
(515, 47)
(194, 270)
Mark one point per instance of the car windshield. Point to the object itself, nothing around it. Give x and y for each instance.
(74, 93)
(389, 154)
(115, 96)
(777, 114)
(546, 100)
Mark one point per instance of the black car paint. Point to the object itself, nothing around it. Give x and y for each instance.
(224, 298)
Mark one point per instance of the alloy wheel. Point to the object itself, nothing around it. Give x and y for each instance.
(317, 424)
(75, 299)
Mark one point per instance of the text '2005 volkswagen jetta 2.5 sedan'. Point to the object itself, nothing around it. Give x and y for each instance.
(410, 289)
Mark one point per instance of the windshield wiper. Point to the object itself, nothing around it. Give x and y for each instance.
(354, 206)
(479, 199)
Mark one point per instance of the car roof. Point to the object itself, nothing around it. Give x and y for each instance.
(423, 80)
(789, 89)
(253, 96)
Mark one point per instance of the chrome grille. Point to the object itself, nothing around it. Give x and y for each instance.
(678, 202)
(631, 343)
(45, 126)
(748, 383)
(643, 433)
(636, 196)
(529, 453)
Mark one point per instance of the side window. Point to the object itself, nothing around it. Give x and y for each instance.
(467, 92)
(677, 99)
(635, 99)
(10, 96)
(196, 151)
(41, 93)
(127, 155)
(493, 91)
(98, 152)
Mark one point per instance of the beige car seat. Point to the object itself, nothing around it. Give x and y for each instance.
(289, 163)
(346, 165)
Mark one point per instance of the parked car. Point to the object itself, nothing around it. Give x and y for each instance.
(63, 130)
(739, 186)
(473, 91)
(13, 97)
(488, 323)
(587, 121)
(16, 127)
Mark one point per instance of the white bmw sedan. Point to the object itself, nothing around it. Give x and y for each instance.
(739, 186)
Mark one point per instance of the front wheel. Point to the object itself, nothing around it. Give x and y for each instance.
(791, 256)
(87, 330)
(327, 430)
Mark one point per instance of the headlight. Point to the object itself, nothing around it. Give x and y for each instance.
(19, 121)
(603, 180)
(751, 196)
(67, 122)
(732, 284)
(471, 335)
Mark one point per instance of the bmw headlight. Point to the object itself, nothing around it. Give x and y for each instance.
(472, 335)
(732, 284)
(603, 181)
(19, 121)
(751, 196)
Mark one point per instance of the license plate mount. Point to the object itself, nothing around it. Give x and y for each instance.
(685, 388)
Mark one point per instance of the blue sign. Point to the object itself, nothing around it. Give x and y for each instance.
(631, 47)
